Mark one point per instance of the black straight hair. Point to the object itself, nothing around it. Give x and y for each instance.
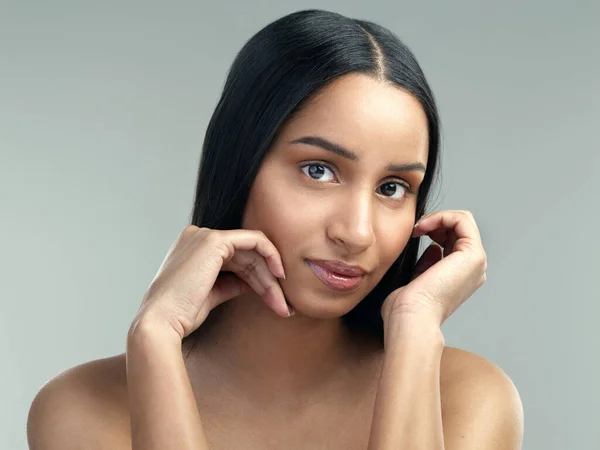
(273, 76)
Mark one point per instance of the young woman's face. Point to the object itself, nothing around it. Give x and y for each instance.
(332, 189)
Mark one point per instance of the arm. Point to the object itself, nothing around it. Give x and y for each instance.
(481, 408)
(164, 414)
(408, 408)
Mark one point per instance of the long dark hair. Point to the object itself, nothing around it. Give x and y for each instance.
(277, 71)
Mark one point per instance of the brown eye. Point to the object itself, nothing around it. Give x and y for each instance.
(392, 189)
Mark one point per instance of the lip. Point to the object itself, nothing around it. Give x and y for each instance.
(336, 274)
(339, 267)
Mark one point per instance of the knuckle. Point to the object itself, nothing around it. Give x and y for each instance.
(477, 257)
(260, 234)
(189, 229)
(224, 247)
(212, 235)
(249, 268)
(212, 238)
(482, 280)
(484, 256)
(482, 260)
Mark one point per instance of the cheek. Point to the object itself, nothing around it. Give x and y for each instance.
(393, 239)
(279, 213)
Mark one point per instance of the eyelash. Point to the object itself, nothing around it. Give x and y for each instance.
(327, 166)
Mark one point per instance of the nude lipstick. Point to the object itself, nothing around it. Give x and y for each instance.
(337, 275)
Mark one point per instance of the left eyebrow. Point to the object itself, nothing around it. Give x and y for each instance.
(323, 143)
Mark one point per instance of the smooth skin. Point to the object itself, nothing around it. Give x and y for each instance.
(261, 380)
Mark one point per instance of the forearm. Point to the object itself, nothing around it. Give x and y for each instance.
(407, 411)
(163, 409)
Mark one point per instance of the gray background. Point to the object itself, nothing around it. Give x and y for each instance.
(103, 108)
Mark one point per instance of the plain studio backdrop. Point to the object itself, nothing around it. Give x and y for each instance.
(103, 109)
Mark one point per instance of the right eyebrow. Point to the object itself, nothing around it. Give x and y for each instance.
(323, 143)
(326, 145)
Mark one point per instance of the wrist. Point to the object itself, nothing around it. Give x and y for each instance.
(410, 329)
(149, 329)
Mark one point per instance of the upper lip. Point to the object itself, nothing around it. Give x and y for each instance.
(340, 267)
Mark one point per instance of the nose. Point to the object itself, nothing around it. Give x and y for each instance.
(351, 222)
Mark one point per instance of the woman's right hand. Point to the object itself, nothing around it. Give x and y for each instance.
(186, 288)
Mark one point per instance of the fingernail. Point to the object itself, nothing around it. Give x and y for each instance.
(291, 310)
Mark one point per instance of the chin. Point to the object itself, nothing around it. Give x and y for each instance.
(320, 304)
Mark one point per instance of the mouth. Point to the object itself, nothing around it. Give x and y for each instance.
(337, 275)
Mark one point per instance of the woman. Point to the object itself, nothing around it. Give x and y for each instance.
(317, 162)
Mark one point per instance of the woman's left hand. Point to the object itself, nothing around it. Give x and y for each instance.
(442, 282)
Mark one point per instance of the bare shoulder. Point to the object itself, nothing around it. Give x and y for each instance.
(82, 407)
(461, 369)
(481, 406)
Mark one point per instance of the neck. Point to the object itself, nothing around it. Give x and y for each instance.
(257, 355)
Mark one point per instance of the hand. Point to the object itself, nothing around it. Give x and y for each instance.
(188, 286)
(442, 281)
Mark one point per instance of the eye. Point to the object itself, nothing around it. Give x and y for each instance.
(322, 172)
(394, 190)
(318, 172)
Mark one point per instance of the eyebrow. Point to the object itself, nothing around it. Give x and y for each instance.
(323, 143)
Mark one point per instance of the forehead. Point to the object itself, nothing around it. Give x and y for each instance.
(366, 115)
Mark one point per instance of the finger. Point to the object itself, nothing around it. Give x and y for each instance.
(440, 225)
(272, 295)
(441, 235)
(258, 275)
(449, 244)
(227, 287)
(256, 240)
(430, 256)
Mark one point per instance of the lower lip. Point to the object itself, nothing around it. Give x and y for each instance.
(334, 280)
